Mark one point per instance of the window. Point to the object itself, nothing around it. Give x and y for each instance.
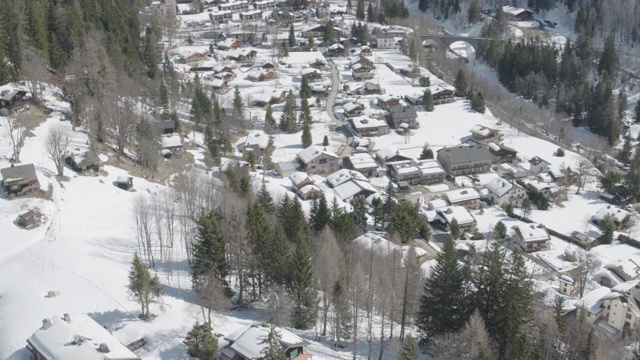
(628, 316)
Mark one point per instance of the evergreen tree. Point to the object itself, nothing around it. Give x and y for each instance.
(265, 199)
(342, 223)
(305, 113)
(359, 213)
(370, 14)
(625, 153)
(454, 227)
(461, 83)
(477, 103)
(269, 120)
(292, 37)
(306, 135)
(288, 119)
(474, 12)
(622, 104)
(320, 215)
(499, 231)
(404, 221)
(360, 10)
(325, 141)
(610, 181)
(427, 153)
(329, 34)
(273, 350)
(609, 59)
(444, 306)
(208, 250)
(589, 351)
(277, 257)
(302, 287)
(636, 112)
(409, 350)
(238, 106)
(608, 227)
(285, 49)
(200, 342)
(526, 207)
(559, 314)
(342, 323)
(427, 100)
(305, 89)
(143, 287)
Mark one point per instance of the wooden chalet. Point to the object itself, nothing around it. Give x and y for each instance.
(19, 179)
(247, 343)
(372, 89)
(124, 182)
(310, 73)
(502, 153)
(13, 101)
(387, 101)
(84, 161)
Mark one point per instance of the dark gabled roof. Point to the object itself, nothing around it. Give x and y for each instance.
(85, 159)
(536, 161)
(19, 174)
(400, 112)
(466, 154)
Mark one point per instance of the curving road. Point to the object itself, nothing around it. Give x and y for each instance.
(341, 125)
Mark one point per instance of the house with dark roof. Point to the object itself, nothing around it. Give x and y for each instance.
(502, 153)
(13, 101)
(465, 160)
(19, 179)
(538, 165)
(315, 31)
(248, 343)
(83, 161)
(402, 114)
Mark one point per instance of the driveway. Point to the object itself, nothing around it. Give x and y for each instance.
(340, 125)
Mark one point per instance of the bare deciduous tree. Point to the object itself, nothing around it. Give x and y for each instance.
(16, 132)
(211, 297)
(122, 121)
(56, 144)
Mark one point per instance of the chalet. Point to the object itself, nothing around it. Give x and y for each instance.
(228, 44)
(165, 126)
(511, 171)
(386, 101)
(234, 7)
(362, 60)
(318, 160)
(620, 217)
(242, 54)
(286, 168)
(385, 41)
(387, 155)
(502, 153)
(220, 16)
(441, 94)
(365, 51)
(517, 13)
(531, 237)
(483, 133)
(352, 109)
(363, 163)
(310, 73)
(124, 182)
(538, 165)
(402, 114)
(83, 161)
(414, 172)
(342, 176)
(462, 216)
(319, 90)
(567, 286)
(247, 343)
(335, 50)
(371, 88)
(309, 192)
(465, 197)
(214, 85)
(361, 71)
(19, 179)
(77, 337)
(264, 99)
(465, 160)
(318, 63)
(549, 190)
(300, 179)
(365, 126)
(264, 5)
(624, 270)
(171, 145)
(207, 64)
(259, 75)
(502, 191)
(220, 68)
(616, 308)
(224, 76)
(256, 143)
(30, 219)
(314, 31)
(354, 189)
(251, 15)
(13, 100)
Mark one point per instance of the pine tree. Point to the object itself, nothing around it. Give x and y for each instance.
(302, 291)
(526, 207)
(622, 104)
(625, 153)
(461, 83)
(559, 314)
(455, 229)
(208, 251)
(359, 213)
(238, 106)
(636, 112)
(427, 153)
(277, 257)
(292, 37)
(325, 141)
(409, 350)
(608, 227)
(360, 10)
(143, 287)
(305, 89)
(320, 215)
(404, 221)
(477, 103)
(288, 119)
(342, 323)
(200, 342)
(499, 231)
(305, 113)
(329, 34)
(265, 199)
(473, 12)
(285, 49)
(609, 59)
(444, 304)
(307, 140)
(427, 100)
(370, 14)
(589, 351)
(273, 350)
(269, 120)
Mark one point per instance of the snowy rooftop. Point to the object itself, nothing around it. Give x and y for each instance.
(77, 339)
(249, 342)
(260, 139)
(309, 189)
(481, 130)
(461, 214)
(298, 177)
(458, 195)
(592, 302)
(616, 213)
(532, 232)
(500, 186)
(349, 189)
(171, 141)
(387, 153)
(437, 204)
(362, 161)
(366, 122)
(313, 152)
(343, 175)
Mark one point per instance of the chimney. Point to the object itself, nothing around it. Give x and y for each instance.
(46, 323)
(67, 318)
(103, 348)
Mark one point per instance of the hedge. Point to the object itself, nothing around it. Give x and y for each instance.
(629, 241)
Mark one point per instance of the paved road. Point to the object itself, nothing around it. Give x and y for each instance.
(341, 125)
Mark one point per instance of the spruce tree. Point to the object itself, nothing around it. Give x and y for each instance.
(608, 227)
(477, 103)
(269, 120)
(636, 112)
(320, 215)
(589, 351)
(499, 231)
(444, 306)
(426, 153)
(200, 342)
(609, 59)
(265, 200)
(302, 286)
(342, 322)
(305, 89)
(208, 256)
(404, 221)
(143, 287)
(329, 33)
(274, 349)
(454, 228)
(238, 106)
(625, 153)
(288, 119)
(292, 37)
(360, 10)
(307, 140)
(559, 314)
(277, 257)
(305, 113)
(427, 100)
(359, 213)
(409, 350)
(325, 141)
(461, 83)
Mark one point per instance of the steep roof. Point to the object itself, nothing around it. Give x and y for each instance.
(401, 112)
(312, 152)
(466, 154)
(19, 173)
(499, 186)
(532, 233)
(249, 342)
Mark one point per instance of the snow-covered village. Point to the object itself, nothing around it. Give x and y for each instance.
(341, 179)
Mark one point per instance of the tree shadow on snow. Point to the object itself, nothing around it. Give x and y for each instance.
(109, 319)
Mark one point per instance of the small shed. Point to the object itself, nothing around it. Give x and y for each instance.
(171, 145)
(83, 161)
(124, 182)
(286, 168)
(19, 179)
(29, 220)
